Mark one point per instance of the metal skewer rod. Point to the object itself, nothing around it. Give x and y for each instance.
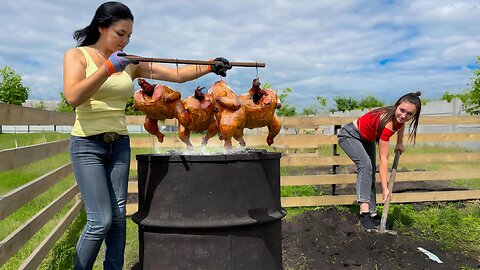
(188, 62)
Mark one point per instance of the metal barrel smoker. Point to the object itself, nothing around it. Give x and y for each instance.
(210, 211)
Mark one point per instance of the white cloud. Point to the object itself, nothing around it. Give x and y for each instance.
(317, 48)
(462, 52)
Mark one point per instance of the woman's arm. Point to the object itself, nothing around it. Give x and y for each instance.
(76, 88)
(383, 148)
(399, 144)
(163, 73)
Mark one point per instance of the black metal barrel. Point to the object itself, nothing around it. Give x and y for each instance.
(219, 211)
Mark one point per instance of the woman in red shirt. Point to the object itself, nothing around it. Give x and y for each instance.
(358, 140)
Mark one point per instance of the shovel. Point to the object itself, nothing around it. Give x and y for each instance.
(393, 173)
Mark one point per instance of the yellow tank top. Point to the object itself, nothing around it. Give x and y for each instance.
(105, 110)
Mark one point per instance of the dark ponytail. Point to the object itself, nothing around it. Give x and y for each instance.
(106, 14)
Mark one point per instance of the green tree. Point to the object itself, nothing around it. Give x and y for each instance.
(63, 105)
(469, 97)
(310, 110)
(40, 106)
(322, 101)
(11, 89)
(129, 108)
(345, 103)
(316, 108)
(286, 109)
(369, 102)
(472, 102)
(448, 97)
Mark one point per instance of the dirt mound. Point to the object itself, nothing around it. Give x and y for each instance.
(330, 239)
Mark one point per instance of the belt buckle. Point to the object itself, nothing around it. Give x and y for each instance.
(111, 137)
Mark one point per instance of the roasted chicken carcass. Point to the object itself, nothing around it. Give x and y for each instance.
(230, 115)
(201, 108)
(259, 105)
(159, 102)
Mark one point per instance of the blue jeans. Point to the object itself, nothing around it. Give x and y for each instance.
(362, 153)
(101, 171)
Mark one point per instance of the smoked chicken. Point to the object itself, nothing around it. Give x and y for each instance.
(159, 102)
(259, 105)
(201, 108)
(230, 115)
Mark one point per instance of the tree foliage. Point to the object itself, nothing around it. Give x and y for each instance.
(472, 102)
(310, 110)
(11, 89)
(345, 103)
(286, 109)
(470, 97)
(448, 96)
(40, 106)
(369, 102)
(322, 101)
(63, 105)
(349, 103)
(129, 108)
(315, 109)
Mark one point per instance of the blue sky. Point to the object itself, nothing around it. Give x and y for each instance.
(317, 48)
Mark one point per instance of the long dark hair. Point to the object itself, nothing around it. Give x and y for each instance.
(106, 14)
(389, 113)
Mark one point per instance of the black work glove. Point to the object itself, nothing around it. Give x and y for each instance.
(222, 67)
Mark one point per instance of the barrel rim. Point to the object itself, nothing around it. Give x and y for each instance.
(143, 220)
(221, 157)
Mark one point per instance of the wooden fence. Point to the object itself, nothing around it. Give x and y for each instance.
(14, 158)
(15, 199)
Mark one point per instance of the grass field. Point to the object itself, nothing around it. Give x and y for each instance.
(437, 221)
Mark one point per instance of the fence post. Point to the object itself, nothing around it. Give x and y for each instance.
(335, 153)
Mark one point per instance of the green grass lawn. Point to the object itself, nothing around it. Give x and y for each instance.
(14, 221)
(8, 140)
(437, 221)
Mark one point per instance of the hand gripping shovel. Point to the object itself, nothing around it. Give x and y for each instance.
(393, 173)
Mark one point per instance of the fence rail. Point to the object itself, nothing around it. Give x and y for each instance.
(17, 157)
(295, 141)
(18, 115)
(312, 141)
(317, 160)
(10, 245)
(431, 196)
(308, 122)
(19, 197)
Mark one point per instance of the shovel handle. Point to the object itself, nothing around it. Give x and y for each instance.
(386, 205)
(395, 160)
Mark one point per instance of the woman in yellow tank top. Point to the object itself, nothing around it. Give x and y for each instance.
(98, 83)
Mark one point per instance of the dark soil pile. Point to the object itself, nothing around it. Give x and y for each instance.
(330, 239)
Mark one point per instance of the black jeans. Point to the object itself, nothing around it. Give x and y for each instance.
(362, 153)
